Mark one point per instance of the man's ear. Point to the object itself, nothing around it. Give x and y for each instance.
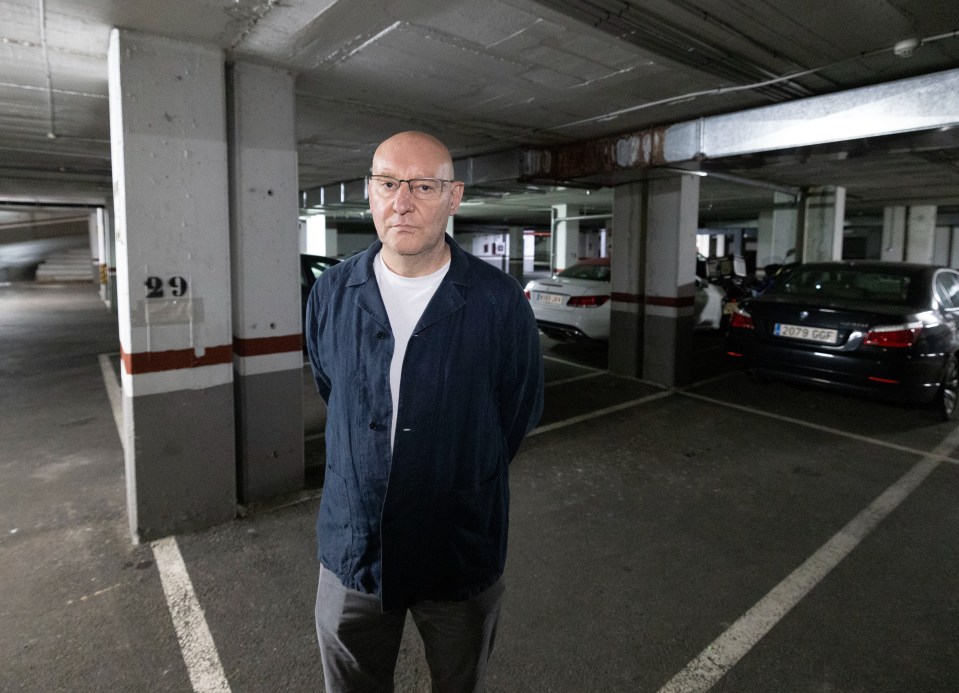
(457, 196)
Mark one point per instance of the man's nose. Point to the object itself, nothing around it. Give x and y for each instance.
(403, 201)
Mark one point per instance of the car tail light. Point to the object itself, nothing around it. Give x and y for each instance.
(893, 336)
(741, 319)
(587, 301)
(528, 297)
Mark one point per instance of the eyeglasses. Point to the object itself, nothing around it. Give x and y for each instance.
(386, 187)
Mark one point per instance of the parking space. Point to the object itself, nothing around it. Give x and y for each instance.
(912, 427)
(803, 540)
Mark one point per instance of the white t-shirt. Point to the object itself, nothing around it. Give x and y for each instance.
(405, 299)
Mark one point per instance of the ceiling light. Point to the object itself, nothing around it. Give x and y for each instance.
(905, 48)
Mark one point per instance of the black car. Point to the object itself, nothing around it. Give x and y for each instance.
(311, 267)
(877, 328)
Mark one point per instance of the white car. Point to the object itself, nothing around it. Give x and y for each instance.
(575, 304)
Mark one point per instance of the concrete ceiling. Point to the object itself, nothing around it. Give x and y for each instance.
(494, 76)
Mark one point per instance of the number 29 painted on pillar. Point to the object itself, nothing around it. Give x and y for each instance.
(155, 286)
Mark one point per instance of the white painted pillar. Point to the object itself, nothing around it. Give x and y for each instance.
(320, 236)
(565, 238)
(672, 222)
(628, 279)
(267, 317)
(515, 251)
(529, 252)
(169, 157)
(825, 215)
(893, 234)
(776, 234)
(449, 226)
(106, 241)
(954, 247)
(93, 232)
(921, 233)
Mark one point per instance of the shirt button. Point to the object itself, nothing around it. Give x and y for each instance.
(381, 335)
(372, 425)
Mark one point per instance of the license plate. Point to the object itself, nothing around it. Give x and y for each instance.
(550, 298)
(810, 334)
(729, 308)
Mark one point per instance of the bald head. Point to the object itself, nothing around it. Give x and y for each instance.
(428, 157)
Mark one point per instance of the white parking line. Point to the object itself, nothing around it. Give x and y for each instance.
(196, 642)
(824, 429)
(724, 652)
(599, 412)
(575, 378)
(573, 364)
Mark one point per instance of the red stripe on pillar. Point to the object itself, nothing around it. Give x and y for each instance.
(263, 346)
(175, 359)
(671, 301)
(626, 298)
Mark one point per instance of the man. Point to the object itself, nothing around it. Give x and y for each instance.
(429, 362)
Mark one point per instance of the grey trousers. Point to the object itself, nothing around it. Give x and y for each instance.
(359, 643)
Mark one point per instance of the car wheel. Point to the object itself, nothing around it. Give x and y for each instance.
(949, 391)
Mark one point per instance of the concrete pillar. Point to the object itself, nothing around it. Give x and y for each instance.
(954, 247)
(93, 231)
(106, 240)
(449, 226)
(529, 252)
(825, 214)
(672, 221)
(264, 244)
(921, 233)
(516, 251)
(320, 236)
(628, 275)
(893, 234)
(169, 156)
(565, 237)
(720, 245)
(777, 231)
(943, 250)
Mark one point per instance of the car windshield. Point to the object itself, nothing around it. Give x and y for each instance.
(318, 266)
(845, 283)
(598, 273)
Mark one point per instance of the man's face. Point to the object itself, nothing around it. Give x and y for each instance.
(408, 226)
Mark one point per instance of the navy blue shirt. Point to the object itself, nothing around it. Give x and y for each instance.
(429, 520)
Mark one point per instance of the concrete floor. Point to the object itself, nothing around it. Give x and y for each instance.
(745, 536)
